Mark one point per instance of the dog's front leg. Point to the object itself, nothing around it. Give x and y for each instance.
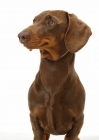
(39, 133)
(74, 132)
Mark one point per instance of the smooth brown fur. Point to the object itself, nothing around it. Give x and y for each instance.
(56, 98)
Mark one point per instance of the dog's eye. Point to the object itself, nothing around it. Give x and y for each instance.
(51, 22)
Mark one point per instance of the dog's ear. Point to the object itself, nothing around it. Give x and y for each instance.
(77, 33)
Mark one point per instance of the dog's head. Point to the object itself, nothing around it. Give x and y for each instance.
(55, 33)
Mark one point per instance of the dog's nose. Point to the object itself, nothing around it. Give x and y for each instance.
(24, 36)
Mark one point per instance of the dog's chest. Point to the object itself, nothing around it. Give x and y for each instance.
(54, 116)
(53, 110)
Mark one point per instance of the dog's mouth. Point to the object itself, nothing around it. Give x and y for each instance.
(43, 44)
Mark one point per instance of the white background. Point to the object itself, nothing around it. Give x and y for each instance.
(18, 66)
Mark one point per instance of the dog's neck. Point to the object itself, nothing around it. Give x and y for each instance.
(55, 73)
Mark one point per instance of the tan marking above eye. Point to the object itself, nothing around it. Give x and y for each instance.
(48, 16)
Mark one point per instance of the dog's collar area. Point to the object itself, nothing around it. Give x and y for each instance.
(58, 58)
(64, 54)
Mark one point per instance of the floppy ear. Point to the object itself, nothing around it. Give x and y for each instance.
(77, 33)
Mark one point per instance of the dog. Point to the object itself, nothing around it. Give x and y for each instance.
(56, 98)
